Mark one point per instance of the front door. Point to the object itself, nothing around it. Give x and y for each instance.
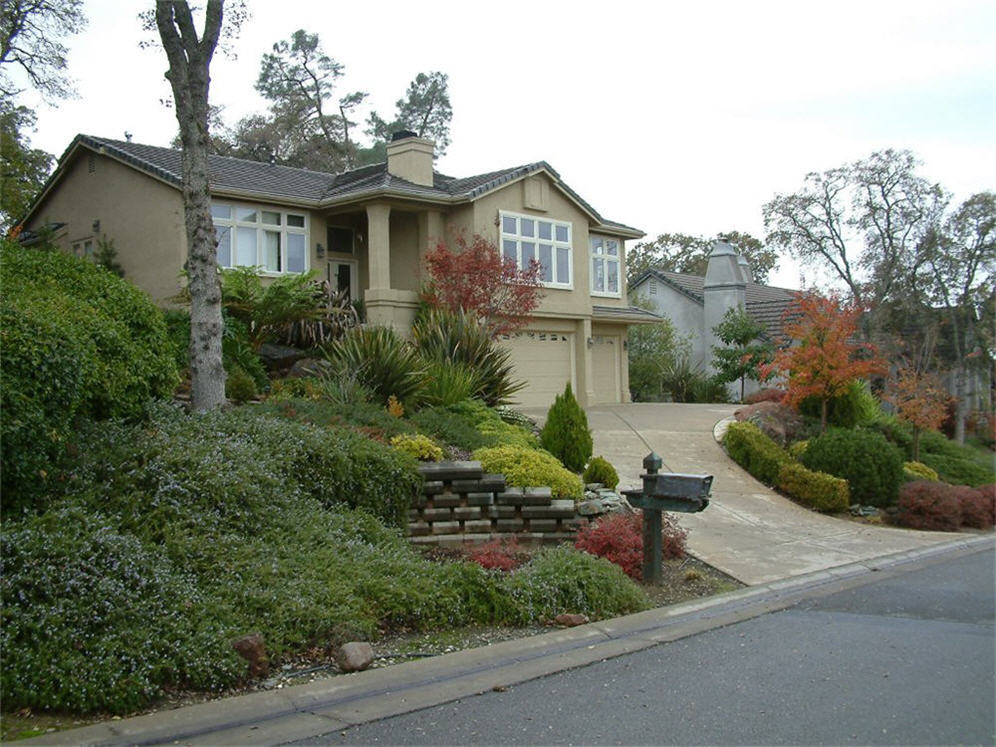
(342, 276)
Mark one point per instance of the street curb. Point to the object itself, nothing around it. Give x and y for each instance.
(341, 702)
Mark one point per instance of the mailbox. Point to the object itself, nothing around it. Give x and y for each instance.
(667, 492)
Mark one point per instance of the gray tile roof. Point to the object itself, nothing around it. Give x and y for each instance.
(766, 304)
(270, 180)
(624, 313)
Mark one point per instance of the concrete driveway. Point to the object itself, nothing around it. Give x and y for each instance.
(748, 531)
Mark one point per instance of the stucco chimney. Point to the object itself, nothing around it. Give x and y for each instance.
(410, 158)
(745, 269)
(725, 288)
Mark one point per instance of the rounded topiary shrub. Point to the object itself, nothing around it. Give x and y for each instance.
(75, 340)
(871, 465)
(565, 433)
(600, 470)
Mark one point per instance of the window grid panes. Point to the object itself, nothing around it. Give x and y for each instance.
(525, 238)
(273, 240)
(605, 253)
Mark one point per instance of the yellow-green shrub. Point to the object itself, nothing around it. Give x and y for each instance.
(919, 471)
(815, 489)
(419, 446)
(798, 448)
(526, 468)
(755, 452)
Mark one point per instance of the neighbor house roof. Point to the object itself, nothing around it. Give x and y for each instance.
(261, 180)
(766, 304)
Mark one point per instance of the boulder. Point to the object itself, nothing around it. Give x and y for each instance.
(309, 367)
(279, 357)
(354, 656)
(252, 648)
(570, 620)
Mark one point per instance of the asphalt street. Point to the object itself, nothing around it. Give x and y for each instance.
(910, 659)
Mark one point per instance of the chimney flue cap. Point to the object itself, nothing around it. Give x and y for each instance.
(402, 135)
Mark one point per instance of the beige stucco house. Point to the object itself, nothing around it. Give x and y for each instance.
(367, 230)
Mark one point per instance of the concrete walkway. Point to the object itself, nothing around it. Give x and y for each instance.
(748, 531)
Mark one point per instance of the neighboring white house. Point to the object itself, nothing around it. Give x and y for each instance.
(696, 304)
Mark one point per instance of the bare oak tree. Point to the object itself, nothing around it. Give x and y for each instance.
(189, 63)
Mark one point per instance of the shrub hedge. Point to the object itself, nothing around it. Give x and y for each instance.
(817, 490)
(524, 467)
(871, 465)
(76, 341)
(755, 452)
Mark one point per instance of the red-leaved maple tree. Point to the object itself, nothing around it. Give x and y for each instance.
(476, 277)
(920, 399)
(823, 358)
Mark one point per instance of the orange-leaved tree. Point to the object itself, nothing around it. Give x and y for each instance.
(920, 399)
(475, 277)
(822, 358)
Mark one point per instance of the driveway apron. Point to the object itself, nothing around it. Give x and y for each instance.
(748, 531)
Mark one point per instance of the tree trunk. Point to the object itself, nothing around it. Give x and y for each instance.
(188, 74)
(824, 407)
(916, 444)
(960, 403)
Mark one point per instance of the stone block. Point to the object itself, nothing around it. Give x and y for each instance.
(418, 529)
(447, 500)
(437, 514)
(543, 525)
(493, 483)
(510, 497)
(451, 470)
(510, 525)
(480, 499)
(557, 510)
(538, 492)
(467, 486)
(477, 526)
(431, 487)
(502, 512)
(466, 513)
(446, 527)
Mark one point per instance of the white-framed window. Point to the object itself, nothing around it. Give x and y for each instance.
(526, 237)
(270, 238)
(605, 254)
(84, 248)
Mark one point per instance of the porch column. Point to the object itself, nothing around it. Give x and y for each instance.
(379, 246)
(430, 231)
(585, 393)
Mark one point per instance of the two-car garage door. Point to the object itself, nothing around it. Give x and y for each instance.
(546, 362)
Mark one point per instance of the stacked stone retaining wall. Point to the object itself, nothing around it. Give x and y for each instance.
(460, 504)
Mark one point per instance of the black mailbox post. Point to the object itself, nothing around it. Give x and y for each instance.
(667, 492)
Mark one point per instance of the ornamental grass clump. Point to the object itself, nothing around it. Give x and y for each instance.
(565, 433)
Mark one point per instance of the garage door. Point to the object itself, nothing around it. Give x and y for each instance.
(605, 354)
(545, 361)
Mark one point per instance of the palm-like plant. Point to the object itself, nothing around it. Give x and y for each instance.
(265, 310)
(381, 361)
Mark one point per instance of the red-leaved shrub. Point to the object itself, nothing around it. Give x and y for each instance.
(928, 505)
(978, 506)
(503, 554)
(619, 539)
(764, 395)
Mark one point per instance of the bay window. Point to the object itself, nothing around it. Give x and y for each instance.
(274, 240)
(525, 238)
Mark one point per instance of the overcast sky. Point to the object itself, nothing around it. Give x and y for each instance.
(667, 116)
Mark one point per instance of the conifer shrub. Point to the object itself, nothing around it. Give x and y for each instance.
(565, 433)
(529, 468)
(919, 471)
(600, 470)
(817, 490)
(927, 505)
(418, 446)
(871, 465)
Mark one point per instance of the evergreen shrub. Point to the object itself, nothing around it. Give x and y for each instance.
(857, 406)
(417, 446)
(919, 471)
(817, 490)
(565, 433)
(755, 452)
(529, 468)
(871, 465)
(927, 505)
(600, 470)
